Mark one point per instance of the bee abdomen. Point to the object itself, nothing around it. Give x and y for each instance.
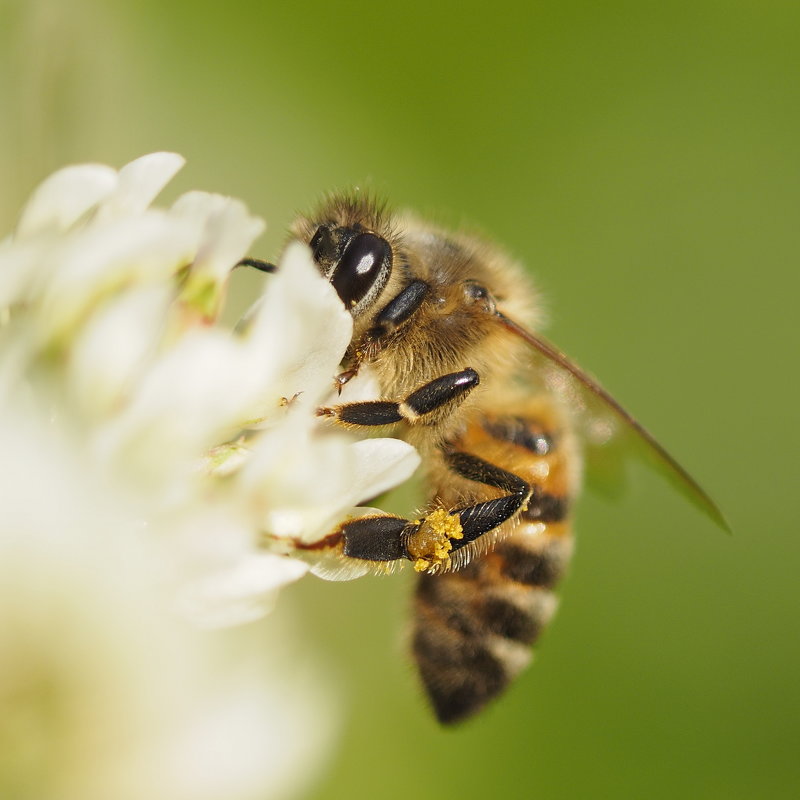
(474, 628)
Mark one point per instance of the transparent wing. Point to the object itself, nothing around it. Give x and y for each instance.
(604, 422)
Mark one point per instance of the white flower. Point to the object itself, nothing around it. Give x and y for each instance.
(146, 451)
(112, 309)
(103, 692)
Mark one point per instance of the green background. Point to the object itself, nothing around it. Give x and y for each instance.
(643, 160)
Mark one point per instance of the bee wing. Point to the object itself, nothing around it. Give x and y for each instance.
(603, 421)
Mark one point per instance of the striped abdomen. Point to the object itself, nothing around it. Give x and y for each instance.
(473, 627)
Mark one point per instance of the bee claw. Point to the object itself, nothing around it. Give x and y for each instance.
(344, 377)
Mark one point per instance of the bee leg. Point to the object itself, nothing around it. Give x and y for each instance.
(422, 406)
(430, 542)
(478, 519)
(399, 309)
(375, 538)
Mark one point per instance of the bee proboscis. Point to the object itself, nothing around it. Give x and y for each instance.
(445, 322)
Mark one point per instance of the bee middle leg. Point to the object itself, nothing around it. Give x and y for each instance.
(423, 406)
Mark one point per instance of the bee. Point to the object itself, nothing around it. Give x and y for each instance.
(445, 322)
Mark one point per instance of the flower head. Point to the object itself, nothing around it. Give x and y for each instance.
(112, 333)
(148, 449)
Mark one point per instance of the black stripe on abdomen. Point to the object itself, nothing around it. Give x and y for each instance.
(545, 507)
(540, 566)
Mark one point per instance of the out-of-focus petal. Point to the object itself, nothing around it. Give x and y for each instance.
(114, 347)
(242, 593)
(108, 694)
(262, 737)
(138, 184)
(64, 197)
(225, 231)
(196, 394)
(100, 259)
(223, 578)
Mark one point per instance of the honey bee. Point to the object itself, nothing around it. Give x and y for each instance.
(499, 417)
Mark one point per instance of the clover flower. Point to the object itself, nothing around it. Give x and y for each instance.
(145, 452)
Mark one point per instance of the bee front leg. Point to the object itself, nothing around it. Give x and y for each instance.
(423, 406)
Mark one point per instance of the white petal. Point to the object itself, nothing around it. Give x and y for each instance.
(113, 348)
(65, 196)
(296, 482)
(243, 592)
(20, 265)
(143, 705)
(139, 183)
(379, 465)
(301, 310)
(100, 259)
(294, 479)
(193, 396)
(225, 231)
(259, 737)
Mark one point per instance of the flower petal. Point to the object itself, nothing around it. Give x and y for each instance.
(225, 231)
(196, 394)
(100, 259)
(63, 198)
(114, 347)
(301, 310)
(243, 592)
(379, 465)
(138, 184)
(295, 478)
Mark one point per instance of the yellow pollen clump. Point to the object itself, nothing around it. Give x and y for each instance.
(431, 544)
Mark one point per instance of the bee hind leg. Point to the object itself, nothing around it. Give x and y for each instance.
(428, 541)
(481, 518)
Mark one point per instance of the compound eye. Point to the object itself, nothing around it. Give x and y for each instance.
(322, 244)
(363, 268)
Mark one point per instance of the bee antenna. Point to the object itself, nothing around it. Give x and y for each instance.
(257, 263)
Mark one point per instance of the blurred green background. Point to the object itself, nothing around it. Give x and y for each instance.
(644, 160)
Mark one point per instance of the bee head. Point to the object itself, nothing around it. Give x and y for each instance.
(356, 261)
